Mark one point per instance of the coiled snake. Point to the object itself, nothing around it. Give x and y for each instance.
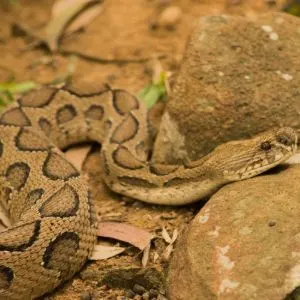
(48, 203)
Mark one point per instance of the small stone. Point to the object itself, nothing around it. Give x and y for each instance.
(138, 289)
(287, 77)
(170, 17)
(272, 223)
(273, 36)
(146, 296)
(85, 296)
(153, 293)
(267, 28)
(161, 297)
(130, 293)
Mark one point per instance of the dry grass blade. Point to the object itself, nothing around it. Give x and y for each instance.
(77, 155)
(146, 254)
(59, 22)
(101, 252)
(137, 237)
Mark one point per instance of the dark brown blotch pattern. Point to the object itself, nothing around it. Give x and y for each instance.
(126, 130)
(161, 170)
(24, 236)
(136, 181)
(105, 163)
(176, 181)
(124, 102)
(60, 254)
(92, 209)
(32, 197)
(65, 114)
(64, 203)
(94, 112)
(45, 126)
(86, 89)
(38, 98)
(6, 277)
(1, 148)
(123, 157)
(15, 116)
(17, 174)
(57, 167)
(28, 140)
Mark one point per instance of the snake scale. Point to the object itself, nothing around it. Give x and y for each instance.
(53, 221)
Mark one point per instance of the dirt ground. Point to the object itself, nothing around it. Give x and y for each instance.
(116, 48)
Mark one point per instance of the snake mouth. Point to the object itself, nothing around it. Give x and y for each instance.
(259, 168)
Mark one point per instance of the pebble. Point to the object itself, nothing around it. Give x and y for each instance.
(85, 296)
(130, 293)
(153, 293)
(138, 289)
(170, 17)
(146, 296)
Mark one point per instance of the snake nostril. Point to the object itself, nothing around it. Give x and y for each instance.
(285, 140)
(266, 146)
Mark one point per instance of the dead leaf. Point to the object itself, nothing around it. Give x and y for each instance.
(85, 17)
(137, 237)
(175, 236)
(166, 235)
(59, 22)
(167, 252)
(77, 155)
(146, 254)
(102, 252)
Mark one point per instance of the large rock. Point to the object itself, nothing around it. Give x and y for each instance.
(244, 244)
(238, 77)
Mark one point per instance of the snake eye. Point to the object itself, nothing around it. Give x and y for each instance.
(266, 146)
(283, 139)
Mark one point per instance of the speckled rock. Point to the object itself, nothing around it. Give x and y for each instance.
(244, 244)
(238, 77)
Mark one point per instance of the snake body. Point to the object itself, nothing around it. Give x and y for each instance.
(53, 222)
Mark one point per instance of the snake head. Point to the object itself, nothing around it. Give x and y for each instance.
(246, 158)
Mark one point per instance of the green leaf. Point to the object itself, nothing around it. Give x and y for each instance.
(155, 91)
(151, 94)
(17, 88)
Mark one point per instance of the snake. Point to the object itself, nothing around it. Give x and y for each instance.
(52, 217)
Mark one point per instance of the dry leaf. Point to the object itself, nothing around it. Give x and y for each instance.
(85, 17)
(101, 252)
(166, 235)
(57, 25)
(137, 237)
(77, 155)
(167, 252)
(175, 236)
(146, 254)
